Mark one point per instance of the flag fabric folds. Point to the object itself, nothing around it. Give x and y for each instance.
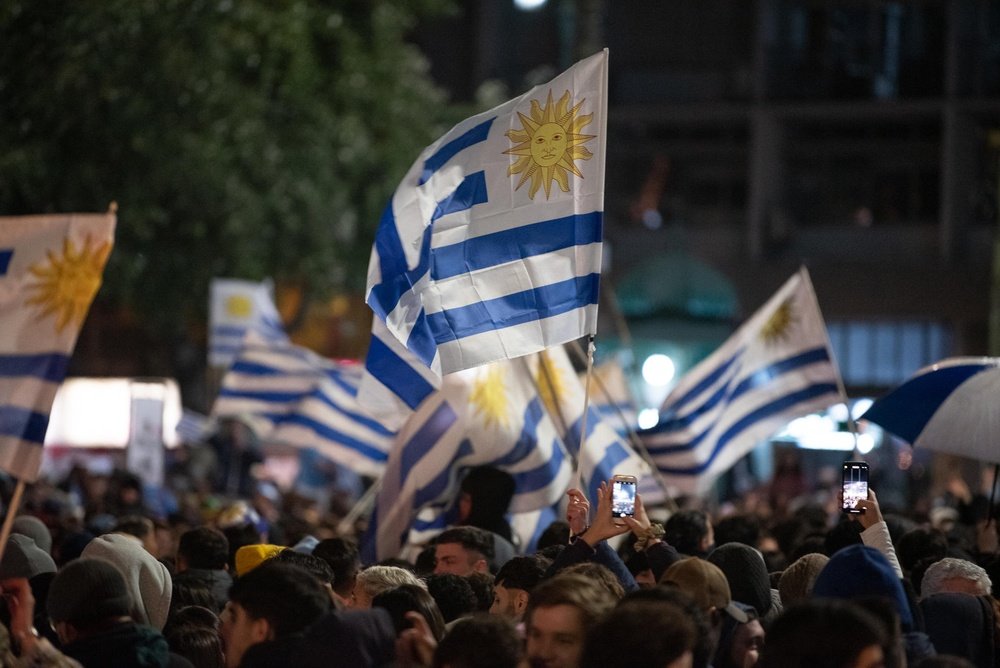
(491, 246)
(236, 307)
(293, 396)
(611, 397)
(777, 366)
(50, 269)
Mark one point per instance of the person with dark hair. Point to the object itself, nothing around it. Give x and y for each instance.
(744, 528)
(411, 598)
(193, 633)
(141, 528)
(560, 614)
(556, 534)
(824, 633)
(705, 641)
(482, 587)
(484, 497)
(270, 603)
(918, 544)
(513, 585)
(690, 533)
(643, 634)
(315, 566)
(342, 556)
(463, 550)
(739, 642)
(453, 595)
(203, 557)
(480, 641)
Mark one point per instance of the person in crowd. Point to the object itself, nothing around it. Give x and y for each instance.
(820, 632)
(35, 529)
(962, 625)
(268, 605)
(342, 556)
(797, 580)
(463, 550)
(241, 525)
(958, 576)
(479, 641)
(690, 532)
(141, 529)
(561, 613)
(148, 581)
(918, 544)
(482, 587)
(599, 574)
(483, 500)
(875, 531)
(250, 557)
(740, 643)
(315, 566)
(193, 633)
(748, 580)
(453, 594)
(644, 634)
(374, 580)
(24, 559)
(411, 598)
(707, 586)
(513, 586)
(203, 557)
(705, 643)
(740, 528)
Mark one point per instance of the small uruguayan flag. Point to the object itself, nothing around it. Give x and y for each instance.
(50, 270)
(236, 307)
(777, 366)
(293, 396)
(491, 246)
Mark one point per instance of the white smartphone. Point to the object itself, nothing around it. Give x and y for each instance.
(623, 497)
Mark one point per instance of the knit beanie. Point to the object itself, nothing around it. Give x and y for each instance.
(860, 571)
(796, 583)
(88, 590)
(34, 528)
(148, 580)
(250, 557)
(23, 559)
(746, 573)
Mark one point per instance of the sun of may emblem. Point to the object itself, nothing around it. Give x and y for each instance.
(778, 326)
(548, 144)
(489, 396)
(67, 283)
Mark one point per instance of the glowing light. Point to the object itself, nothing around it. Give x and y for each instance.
(860, 406)
(658, 370)
(648, 417)
(529, 5)
(865, 443)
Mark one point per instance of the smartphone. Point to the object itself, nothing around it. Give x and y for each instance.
(855, 481)
(623, 496)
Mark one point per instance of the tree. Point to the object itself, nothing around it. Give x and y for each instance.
(246, 139)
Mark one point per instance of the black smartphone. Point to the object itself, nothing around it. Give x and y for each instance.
(623, 496)
(855, 482)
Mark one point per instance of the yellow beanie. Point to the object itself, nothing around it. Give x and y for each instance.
(250, 557)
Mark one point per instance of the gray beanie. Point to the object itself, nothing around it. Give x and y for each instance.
(148, 580)
(796, 583)
(88, 590)
(23, 559)
(34, 528)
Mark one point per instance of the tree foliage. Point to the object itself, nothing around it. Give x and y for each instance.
(241, 138)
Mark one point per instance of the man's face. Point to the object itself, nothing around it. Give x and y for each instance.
(455, 559)
(239, 632)
(509, 603)
(748, 640)
(555, 637)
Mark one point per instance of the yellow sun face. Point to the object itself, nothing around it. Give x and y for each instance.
(489, 397)
(551, 384)
(778, 325)
(548, 144)
(239, 306)
(67, 283)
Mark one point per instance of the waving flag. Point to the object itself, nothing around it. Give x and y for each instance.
(491, 246)
(235, 308)
(50, 270)
(777, 366)
(611, 397)
(491, 415)
(293, 396)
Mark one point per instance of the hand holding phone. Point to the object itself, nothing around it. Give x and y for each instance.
(855, 486)
(623, 497)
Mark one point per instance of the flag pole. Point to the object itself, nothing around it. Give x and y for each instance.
(8, 521)
(633, 438)
(564, 426)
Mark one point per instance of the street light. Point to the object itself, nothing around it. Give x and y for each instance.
(529, 5)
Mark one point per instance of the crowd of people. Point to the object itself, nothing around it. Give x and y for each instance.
(100, 571)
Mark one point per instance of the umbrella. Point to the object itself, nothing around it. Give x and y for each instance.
(952, 407)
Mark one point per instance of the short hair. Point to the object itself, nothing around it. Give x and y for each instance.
(520, 573)
(472, 539)
(314, 565)
(482, 587)
(705, 641)
(655, 633)
(191, 591)
(134, 525)
(411, 598)
(342, 556)
(820, 632)
(453, 594)
(590, 598)
(285, 595)
(949, 567)
(742, 528)
(918, 544)
(556, 533)
(685, 530)
(480, 641)
(204, 548)
(600, 574)
(377, 579)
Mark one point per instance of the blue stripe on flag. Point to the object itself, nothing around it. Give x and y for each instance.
(470, 192)
(396, 374)
(614, 455)
(229, 330)
(748, 420)
(516, 244)
(542, 475)
(430, 432)
(770, 372)
(268, 396)
(5, 255)
(525, 445)
(47, 366)
(471, 137)
(248, 368)
(357, 418)
(702, 385)
(24, 424)
(397, 279)
(421, 340)
(439, 485)
(515, 309)
(329, 434)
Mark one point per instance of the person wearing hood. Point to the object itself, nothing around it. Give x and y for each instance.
(148, 581)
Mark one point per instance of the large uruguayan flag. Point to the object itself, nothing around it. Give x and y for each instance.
(491, 246)
(491, 415)
(777, 366)
(50, 270)
(293, 396)
(236, 307)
